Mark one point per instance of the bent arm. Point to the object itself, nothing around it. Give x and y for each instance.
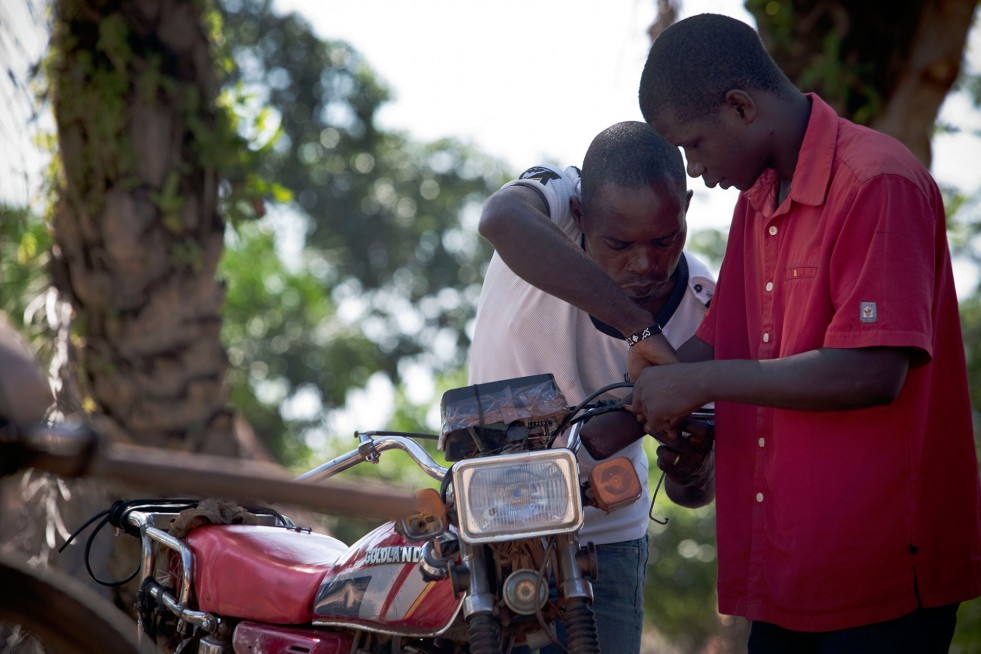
(515, 220)
(826, 379)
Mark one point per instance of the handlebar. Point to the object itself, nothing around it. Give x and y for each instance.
(370, 448)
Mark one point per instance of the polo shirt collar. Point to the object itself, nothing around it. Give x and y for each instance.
(672, 304)
(812, 176)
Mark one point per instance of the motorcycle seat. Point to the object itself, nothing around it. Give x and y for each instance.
(265, 574)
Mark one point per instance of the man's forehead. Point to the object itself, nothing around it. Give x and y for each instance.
(659, 201)
(666, 124)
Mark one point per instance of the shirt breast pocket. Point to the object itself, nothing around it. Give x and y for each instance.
(796, 273)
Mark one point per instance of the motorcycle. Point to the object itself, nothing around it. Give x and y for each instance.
(488, 562)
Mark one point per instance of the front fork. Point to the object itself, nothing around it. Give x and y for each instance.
(484, 633)
(479, 604)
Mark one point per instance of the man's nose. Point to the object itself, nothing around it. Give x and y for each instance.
(695, 169)
(642, 262)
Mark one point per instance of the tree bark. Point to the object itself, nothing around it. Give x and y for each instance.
(137, 237)
(137, 234)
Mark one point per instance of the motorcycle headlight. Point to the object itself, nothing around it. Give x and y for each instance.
(517, 496)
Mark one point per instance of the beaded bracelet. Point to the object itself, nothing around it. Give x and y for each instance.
(646, 332)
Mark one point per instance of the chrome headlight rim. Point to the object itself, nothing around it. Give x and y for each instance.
(464, 472)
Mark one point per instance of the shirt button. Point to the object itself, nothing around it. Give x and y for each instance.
(773, 230)
(769, 286)
(766, 337)
(759, 497)
(762, 441)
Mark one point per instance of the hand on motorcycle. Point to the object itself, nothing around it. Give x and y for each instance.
(683, 452)
(663, 395)
(606, 434)
(653, 351)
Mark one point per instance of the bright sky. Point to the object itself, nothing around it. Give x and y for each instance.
(529, 83)
(523, 81)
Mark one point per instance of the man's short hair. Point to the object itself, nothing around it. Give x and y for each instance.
(630, 155)
(695, 62)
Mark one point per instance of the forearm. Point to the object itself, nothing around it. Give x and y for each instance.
(820, 380)
(535, 249)
(694, 350)
(569, 275)
(657, 352)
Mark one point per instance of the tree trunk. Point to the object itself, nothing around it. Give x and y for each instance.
(920, 86)
(136, 238)
(137, 235)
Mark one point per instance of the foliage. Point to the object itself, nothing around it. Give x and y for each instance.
(395, 467)
(971, 325)
(99, 77)
(967, 635)
(892, 75)
(378, 222)
(25, 244)
(382, 212)
(144, 147)
(836, 48)
(832, 58)
(681, 573)
(709, 244)
(282, 334)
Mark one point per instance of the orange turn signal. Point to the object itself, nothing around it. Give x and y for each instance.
(614, 484)
(430, 518)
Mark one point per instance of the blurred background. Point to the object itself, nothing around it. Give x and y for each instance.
(249, 227)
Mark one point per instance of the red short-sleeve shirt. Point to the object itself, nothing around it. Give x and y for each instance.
(828, 520)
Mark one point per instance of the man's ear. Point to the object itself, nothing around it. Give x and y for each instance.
(688, 196)
(575, 206)
(742, 104)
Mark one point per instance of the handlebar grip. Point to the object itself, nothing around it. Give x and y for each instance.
(608, 433)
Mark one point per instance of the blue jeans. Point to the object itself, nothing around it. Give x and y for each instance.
(618, 597)
(924, 631)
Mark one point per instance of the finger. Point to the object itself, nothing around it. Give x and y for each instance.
(697, 434)
(667, 458)
(697, 427)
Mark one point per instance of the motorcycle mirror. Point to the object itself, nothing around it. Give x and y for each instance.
(429, 519)
(614, 484)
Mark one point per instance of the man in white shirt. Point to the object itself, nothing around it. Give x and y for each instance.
(585, 267)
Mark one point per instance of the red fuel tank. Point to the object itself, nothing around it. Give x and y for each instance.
(376, 584)
(263, 574)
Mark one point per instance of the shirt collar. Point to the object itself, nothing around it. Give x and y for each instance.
(812, 175)
(672, 304)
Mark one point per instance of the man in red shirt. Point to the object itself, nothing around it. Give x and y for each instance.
(848, 514)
